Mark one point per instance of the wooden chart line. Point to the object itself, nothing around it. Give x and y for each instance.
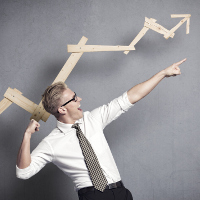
(38, 112)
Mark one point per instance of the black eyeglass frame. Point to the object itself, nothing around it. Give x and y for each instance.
(73, 99)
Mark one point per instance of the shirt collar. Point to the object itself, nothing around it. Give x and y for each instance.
(66, 128)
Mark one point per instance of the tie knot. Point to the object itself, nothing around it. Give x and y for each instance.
(76, 126)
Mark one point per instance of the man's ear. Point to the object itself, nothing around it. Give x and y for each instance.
(62, 110)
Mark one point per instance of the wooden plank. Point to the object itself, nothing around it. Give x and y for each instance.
(62, 76)
(38, 112)
(167, 35)
(139, 36)
(156, 27)
(97, 48)
(188, 26)
(180, 15)
(70, 64)
(20, 100)
(5, 103)
(45, 116)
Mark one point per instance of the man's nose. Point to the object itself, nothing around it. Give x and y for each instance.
(79, 98)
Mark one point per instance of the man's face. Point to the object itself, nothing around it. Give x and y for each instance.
(73, 107)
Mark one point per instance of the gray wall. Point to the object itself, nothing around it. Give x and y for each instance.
(156, 143)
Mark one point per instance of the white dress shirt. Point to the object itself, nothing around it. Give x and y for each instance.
(62, 147)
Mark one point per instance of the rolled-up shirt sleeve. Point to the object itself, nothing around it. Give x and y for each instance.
(107, 113)
(42, 155)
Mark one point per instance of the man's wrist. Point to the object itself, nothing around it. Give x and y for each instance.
(163, 73)
(27, 134)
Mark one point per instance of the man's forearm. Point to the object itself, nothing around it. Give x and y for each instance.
(141, 90)
(24, 157)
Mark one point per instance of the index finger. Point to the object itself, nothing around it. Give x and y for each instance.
(180, 62)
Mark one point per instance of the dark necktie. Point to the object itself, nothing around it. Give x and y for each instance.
(96, 174)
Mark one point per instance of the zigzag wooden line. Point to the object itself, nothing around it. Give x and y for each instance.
(38, 112)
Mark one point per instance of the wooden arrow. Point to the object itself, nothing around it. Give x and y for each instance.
(187, 18)
(38, 112)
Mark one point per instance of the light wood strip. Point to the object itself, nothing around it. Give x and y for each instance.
(38, 112)
(167, 35)
(70, 64)
(188, 26)
(97, 48)
(5, 103)
(156, 27)
(45, 116)
(180, 15)
(139, 36)
(20, 100)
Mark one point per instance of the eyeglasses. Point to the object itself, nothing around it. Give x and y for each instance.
(74, 99)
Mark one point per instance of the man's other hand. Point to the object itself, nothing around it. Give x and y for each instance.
(33, 126)
(174, 69)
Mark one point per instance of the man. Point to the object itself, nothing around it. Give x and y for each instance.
(78, 139)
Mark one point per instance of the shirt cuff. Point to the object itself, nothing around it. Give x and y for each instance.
(23, 173)
(124, 102)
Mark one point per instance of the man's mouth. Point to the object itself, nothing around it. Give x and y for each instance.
(79, 108)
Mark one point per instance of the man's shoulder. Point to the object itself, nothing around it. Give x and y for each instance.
(88, 114)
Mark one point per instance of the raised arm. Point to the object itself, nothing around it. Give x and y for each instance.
(141, 90)
(24, 156)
